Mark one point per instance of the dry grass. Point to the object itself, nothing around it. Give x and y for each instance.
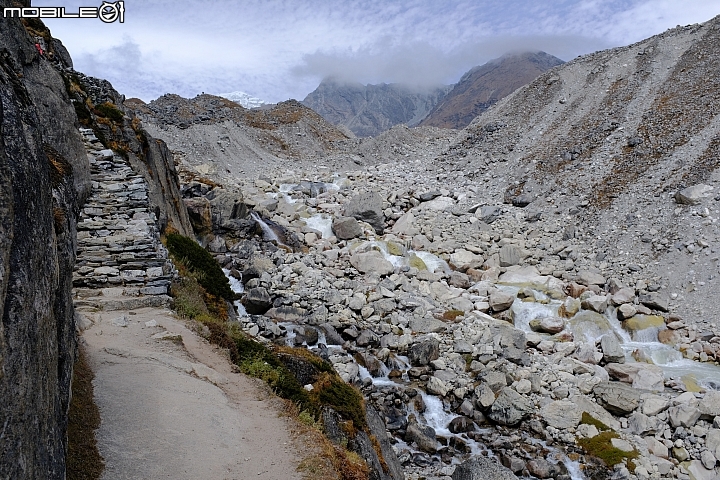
(83, 457)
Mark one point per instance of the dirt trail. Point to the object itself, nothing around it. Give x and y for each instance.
(177, 410)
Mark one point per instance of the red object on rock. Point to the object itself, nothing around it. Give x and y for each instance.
(39, 49)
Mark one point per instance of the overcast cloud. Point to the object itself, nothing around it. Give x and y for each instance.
(281, 49)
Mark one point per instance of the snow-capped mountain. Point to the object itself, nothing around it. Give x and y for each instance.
(244, 99)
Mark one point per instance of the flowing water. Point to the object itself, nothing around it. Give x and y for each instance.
(322, 223)
(269, 234)
(237, 287)
(642, 344)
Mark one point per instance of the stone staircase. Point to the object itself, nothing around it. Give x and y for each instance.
(121, 263)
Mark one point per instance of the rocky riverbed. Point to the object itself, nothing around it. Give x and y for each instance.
(474, 329)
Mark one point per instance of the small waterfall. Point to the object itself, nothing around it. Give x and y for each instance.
(268, 233)
(525, 312)
(432, 262)
(237, 287)
(435, 415)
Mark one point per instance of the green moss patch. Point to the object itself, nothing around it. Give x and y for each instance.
(601, 446)
(590, 420)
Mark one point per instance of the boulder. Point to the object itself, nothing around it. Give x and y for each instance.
(616, 397)
(710, 405)
(367, 207)
(510, 408)
(683, 415)
(488, 214)
(500, 300)
(461, 424)
(198, 209)
(561, 414)
(371, 262)
(257, 301)
(596, 303)
(436, 386)
(423, 351)
(482, 468)
(693, 195)
(405, 225)
(612, 351)
(551, 325)
(655, 301)
(586, 277)
(346, 228)
(422, 435)
(462, 260)
(509, 255)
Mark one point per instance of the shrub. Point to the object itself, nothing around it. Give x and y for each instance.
(108, 110)
(201, 265)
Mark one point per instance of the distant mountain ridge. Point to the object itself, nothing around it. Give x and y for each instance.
(368, 110)
(482, 87)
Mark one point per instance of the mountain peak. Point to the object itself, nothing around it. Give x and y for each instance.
(244, 99)
(482, 86)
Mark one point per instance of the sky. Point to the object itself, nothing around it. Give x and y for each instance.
(281, 49)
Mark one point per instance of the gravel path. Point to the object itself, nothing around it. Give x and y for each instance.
(177, 410)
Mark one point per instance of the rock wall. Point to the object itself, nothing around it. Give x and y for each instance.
(43, 180)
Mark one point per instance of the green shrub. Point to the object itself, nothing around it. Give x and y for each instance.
(590, 420)
(201, 265)
(110, 111)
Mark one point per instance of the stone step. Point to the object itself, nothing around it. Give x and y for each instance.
(121, 302)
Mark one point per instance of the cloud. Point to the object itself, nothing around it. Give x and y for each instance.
(422, 64)
(279, 49)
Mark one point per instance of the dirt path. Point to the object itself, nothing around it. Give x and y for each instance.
(176, 410)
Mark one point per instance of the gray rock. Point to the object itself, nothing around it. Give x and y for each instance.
(655, 301)
(484, 396)
(596, 303)
(488, 214)
(436, 386)
(371, 262)
(612, 351)
(500, 300)
(510, 408)
(367, 207)
(710, 405)
(482, 468)
(617, 397)
(693, 195)
(257, 301)
(423, 351)
(551, 325)
(586, 277)
(509, 255)
(346, 228)
(422, 435)
(427, 325)
(708, 460)
(561, 414)
(698, 471)
(463, 259)
(683, 415)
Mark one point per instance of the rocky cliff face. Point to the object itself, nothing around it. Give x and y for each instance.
(483, 86)
(368, 110)
(43, 179)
